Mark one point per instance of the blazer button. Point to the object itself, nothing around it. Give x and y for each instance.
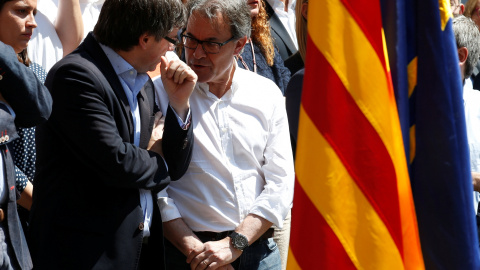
(185, 143)
(140, 226)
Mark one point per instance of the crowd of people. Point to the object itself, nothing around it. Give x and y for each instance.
(147, 134)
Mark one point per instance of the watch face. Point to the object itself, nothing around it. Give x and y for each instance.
(240, 241)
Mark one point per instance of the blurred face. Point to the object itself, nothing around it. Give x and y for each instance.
(211, 67)
(475, 14)
(17, 23)
(254, 6)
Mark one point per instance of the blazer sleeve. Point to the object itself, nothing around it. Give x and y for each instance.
(177, 145)
(28, 97)
(84, 119)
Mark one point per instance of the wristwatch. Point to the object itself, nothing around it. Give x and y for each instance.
(239, 241)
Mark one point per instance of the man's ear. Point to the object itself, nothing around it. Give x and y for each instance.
(462, 9)
(143, 40)
(462, 55)
(305, 10)
(239, 45)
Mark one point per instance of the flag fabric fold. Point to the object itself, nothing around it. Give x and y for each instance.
(364, 199)
(353, 190)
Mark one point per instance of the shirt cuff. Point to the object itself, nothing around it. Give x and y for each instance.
(168, 209)
(186, 124)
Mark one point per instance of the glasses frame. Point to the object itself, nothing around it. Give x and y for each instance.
(220, 44)
(173, 41)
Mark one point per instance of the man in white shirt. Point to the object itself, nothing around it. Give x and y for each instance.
(467, 37)
(240, 179)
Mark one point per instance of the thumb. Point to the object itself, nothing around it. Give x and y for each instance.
(163, 66)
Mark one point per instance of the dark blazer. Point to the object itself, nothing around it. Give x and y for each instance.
(32, 104)
(293, 98)
(86, 211)
(282, 39)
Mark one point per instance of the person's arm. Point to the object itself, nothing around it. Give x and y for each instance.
(26, 196)
(83, 118)
(69, 25)
(21, 89)
(179, 81)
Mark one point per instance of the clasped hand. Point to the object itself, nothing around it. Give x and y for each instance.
(214, 255)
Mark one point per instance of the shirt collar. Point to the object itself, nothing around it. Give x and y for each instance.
(277, 4)
(230, 92)
(135, 81)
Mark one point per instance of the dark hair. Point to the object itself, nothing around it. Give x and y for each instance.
(122, 22)
(2, 2)
(235, 13)
(21, 56)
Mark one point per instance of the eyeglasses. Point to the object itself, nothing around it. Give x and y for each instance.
(208, 46)
(171, 40)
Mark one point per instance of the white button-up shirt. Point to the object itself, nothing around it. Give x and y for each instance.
(471, 99)
(242, 159)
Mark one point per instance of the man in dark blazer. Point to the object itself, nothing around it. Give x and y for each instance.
(282, 39)
(98, 167)
(25, 102)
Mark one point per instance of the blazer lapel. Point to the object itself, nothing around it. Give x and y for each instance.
(277, 26)
(104, 65)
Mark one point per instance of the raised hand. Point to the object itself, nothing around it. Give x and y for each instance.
(178, 80)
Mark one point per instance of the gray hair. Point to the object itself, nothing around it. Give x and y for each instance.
(467, 35)
(235, 13)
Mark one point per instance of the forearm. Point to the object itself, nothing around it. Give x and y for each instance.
(253, 227)
(177, 145)
(69, 25)
(26, 197)
(181, 236)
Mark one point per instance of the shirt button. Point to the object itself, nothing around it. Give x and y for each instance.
(131, 72)
(224, 130)
(185, 142)
(140, 226)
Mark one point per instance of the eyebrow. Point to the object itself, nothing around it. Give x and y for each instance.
(22, 5)
(213, 39)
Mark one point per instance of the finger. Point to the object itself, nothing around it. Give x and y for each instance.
(163, 66)
(197, 262)
(182, 76)
(203, 265)
(173, 68)
(178, 74)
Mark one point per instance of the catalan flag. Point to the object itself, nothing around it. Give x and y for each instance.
(354, 206)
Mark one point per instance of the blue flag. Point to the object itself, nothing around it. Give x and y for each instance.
(428, 88)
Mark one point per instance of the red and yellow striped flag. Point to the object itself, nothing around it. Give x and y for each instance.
(353, 205)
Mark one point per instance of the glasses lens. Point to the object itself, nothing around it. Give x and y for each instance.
(189, 42)
(210, 47)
